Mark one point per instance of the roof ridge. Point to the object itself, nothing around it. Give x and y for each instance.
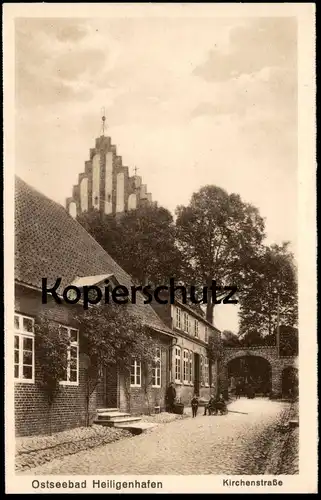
(50, 242)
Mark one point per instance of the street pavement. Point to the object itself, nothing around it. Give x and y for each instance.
(237, 443)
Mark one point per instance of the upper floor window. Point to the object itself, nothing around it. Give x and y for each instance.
(178, 318)
(196, 327)
(24, 348)
(157, 365)
(177, 364)
(72, 368)
(186, 366)
(135, 373)
(186, 322)
(206, 333)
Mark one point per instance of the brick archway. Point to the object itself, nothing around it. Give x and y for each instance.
(278, 364)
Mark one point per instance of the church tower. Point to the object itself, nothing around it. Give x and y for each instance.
(106, 185)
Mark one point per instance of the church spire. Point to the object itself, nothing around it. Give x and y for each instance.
(103, 120)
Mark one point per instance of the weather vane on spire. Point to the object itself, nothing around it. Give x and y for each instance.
(103, 119)
(135, 170)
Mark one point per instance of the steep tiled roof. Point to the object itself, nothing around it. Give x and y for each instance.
(49, 243)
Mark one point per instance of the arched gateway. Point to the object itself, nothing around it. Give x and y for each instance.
(259, 362)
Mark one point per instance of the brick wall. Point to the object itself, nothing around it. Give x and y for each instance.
(69, 408)
(185, 390)
(102, 146)
(31, 407)
(140, 400)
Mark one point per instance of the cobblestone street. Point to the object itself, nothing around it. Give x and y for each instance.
(238, 443)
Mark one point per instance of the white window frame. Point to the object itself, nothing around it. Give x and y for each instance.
(202, 369)
(186, 322)
(186, 368)
(178, 318)
(191, 355)
(157, 368)
(196, 328)
(206, 372)
(136, 363)
(178, 364)
(206, 334)
(21, 334)
(74, 345)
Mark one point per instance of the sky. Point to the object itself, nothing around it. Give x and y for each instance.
(189, 101)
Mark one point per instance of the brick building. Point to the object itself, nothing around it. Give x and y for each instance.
(49, 243)
(106, 185)
(190, 368)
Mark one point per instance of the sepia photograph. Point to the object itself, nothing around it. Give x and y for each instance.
(154, 322)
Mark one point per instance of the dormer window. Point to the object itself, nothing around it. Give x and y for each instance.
(102, 281)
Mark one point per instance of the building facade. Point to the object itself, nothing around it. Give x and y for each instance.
(106, 185)
(190, 367)
(51, 244)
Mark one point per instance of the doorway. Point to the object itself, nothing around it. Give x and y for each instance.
(111, 386)
(197, 374)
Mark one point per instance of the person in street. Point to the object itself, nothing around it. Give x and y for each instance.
(170, 397)
(194, 404)
(238, 391)
(219, 405)
(250, 391)
(209, 406)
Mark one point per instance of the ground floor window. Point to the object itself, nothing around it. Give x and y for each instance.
(72, 368)
(186, 373)
(157, 365)
(135, 373)
(24, 349)
(191, 366)
(177, 364)
(206, 372)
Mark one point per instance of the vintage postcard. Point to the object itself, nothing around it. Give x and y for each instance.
(160, 248)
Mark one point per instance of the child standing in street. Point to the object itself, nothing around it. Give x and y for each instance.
(194, 404)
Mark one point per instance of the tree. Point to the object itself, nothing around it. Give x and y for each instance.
(219, 235)
(51, 347)
(273, 277)
(142, 242)
(229, 339)
(103, 228)
(112, 336)
(289, 340)
(215, 352)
